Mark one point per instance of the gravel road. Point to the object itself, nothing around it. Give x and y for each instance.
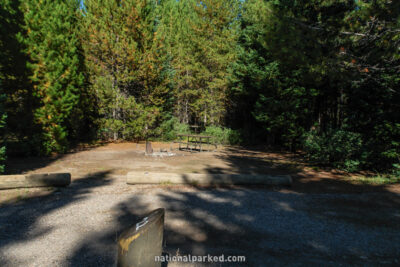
(79, 225)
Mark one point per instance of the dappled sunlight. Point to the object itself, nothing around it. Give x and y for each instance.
(262, 224)
(284, 206)
(210, 197)
(319, 246)
(26, 223)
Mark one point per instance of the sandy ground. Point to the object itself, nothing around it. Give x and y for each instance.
(323, 219)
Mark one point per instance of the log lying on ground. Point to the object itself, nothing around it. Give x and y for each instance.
(35, 180)
(207, 179)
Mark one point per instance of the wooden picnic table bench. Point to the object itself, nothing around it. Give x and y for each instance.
(195, 140)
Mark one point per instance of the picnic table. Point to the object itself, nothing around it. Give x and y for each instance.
(194, 141)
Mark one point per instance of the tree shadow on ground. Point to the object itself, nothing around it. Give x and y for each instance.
(18, 219)
(251, 161)
(269, 226)
(258, 161)
(20, 165)
(23, 164)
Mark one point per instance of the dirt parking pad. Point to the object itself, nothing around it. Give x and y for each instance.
(321, 220)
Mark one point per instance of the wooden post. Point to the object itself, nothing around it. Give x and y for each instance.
(149, 149)
(141, 244)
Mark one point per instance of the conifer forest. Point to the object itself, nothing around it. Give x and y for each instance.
(318, 77)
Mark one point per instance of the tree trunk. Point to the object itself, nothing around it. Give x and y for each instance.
(114, 83)
(186, 120)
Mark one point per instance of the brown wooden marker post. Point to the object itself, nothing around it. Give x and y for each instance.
(149, 149)
(142, 243)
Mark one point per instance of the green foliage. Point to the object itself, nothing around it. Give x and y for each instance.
(3, 117)
(200, 39)
(304, 64)
(14, 73)
(396, 170)
(336, 148)
(169, 129)
(379, 179)
(51, 41)
(268, 92)
(139, 69)
(223, 135)
(132, 118)
(124, 62)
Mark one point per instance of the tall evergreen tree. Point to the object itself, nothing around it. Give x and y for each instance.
(325, 68)
(122, 52)
(215, 42)
(252, 71)
(200, 37)
(176, 29)
(3, 117)
(14, 73)
(53, 47)
(370, 55)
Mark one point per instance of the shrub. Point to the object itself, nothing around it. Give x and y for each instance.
(169, 129)
(396, 170)
(337, 148)
(223, 135)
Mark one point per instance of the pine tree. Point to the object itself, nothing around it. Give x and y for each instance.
(325, 69)
(200, 38)
(252, 69)
(216, 37)
(52, 43)
(176, 29)
(122, 52)
(268, 75)
(14, 73)
(3, 117)
(370, 55)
